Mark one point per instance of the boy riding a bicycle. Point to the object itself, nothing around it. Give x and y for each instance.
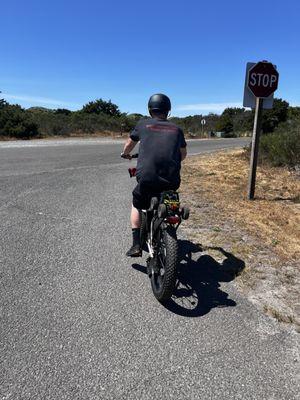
(162, 148)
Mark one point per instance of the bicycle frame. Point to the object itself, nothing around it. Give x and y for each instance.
(158, 232)
(153, 224)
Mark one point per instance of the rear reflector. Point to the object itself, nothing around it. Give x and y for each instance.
(173, 220)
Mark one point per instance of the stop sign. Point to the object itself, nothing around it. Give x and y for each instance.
(263, 79)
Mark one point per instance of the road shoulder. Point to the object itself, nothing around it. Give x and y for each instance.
(263, 234)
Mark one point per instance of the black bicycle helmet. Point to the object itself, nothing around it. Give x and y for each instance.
(159, 103)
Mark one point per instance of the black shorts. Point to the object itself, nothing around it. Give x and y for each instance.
(143, 192)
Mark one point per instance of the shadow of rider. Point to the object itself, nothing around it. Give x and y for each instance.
(198, 285)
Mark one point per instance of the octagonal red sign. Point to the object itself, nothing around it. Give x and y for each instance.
(263, 79)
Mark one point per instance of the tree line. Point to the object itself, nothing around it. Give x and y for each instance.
(236, 121)
(102, 116)
(280, 143)
(98, 116)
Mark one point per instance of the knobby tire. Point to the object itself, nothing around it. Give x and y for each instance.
(164, 291)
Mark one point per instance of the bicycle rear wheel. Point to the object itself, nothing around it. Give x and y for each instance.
(163, 278)
(143, 230)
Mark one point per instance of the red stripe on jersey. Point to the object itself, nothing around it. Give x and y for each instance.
(162, 128)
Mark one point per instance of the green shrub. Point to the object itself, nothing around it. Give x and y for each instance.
(64, 124)
(275, 116)
(51, 124)
(17, 123)
(282, 148)
(100, 106)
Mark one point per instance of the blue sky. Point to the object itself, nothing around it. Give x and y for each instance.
(66, 53)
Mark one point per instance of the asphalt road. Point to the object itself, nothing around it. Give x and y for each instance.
(78, 321)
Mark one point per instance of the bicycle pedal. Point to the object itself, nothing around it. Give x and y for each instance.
(137, 254)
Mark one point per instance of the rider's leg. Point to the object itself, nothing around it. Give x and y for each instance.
(135, 218)
(135, 224)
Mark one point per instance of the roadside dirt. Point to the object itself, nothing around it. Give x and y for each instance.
(264, 233)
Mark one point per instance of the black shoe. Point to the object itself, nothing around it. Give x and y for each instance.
(134, 251)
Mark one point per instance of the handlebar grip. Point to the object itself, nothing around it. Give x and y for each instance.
(128, 156)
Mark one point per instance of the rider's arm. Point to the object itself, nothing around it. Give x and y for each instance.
(132, 140)
(129, 146)
(183, 153)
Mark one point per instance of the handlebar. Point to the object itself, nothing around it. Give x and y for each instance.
(128, 156)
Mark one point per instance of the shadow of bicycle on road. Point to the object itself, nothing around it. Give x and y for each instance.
(198, 285)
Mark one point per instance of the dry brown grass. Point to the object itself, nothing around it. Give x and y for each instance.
(100, 134)
(264, 233)
(274, 216)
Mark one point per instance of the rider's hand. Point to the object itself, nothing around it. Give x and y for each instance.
(126, 156)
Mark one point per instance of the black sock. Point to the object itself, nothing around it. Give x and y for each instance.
(136, 236)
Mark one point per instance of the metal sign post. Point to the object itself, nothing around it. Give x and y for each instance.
(255, 143)
(261, 82)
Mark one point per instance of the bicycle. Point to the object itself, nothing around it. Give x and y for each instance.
(158, 233)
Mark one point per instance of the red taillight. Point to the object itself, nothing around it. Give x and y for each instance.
(132, 172)
(173, 219)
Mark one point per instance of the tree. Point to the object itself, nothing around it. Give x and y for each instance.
(63, 111)
(272, 118)
(243, 122)
(235, 120)
(101, 106)
(3, 103)
(233, 111)
(225, 123)
(16, 122)
(136, 116)
(40, 110)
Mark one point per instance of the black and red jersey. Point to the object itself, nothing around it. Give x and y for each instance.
(159, 159)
